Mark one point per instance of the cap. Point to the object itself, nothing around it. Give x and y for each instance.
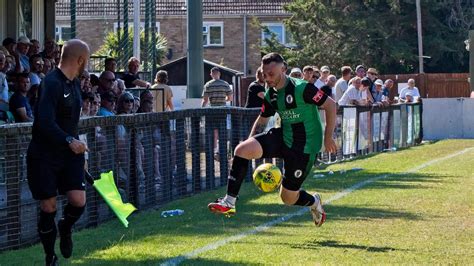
(8, 41)
(379, 82)
(325, 68)
(24, 40)
(372, 70)
(359, 67)
(365, 81)
(295, 70)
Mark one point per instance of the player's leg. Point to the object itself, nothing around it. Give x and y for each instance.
(262, 145)
(47, 229)
(73, 185)
(297, 168)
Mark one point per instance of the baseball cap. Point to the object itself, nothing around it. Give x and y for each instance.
(372, 70)
(379, 82)
(325, 68)
(295, 70)
(24, 40)
(359, 67)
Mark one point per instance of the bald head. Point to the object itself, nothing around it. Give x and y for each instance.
(74, 58)
(73, 50)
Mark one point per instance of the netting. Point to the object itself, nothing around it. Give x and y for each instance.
(160, 157)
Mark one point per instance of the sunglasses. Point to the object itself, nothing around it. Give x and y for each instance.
(129, 101)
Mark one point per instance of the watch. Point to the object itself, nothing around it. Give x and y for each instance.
(69, 139)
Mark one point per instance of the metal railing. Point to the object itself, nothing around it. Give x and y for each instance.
(160, 157)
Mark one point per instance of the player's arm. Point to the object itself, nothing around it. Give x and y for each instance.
(259, 125)
(321, 97)
(262, 120)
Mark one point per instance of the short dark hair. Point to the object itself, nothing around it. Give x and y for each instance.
(365, 82)
(272, 57)
(23, 75)
(162, 76)
(215, 69)
(346, 70)
(108, 60)
(8, 41)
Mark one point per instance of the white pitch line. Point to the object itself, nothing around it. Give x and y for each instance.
(265, 226)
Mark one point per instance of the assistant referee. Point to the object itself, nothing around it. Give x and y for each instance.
(55, 159)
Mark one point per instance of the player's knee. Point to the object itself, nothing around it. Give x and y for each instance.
(241, 151)
(289, 201)
(48, 207)
(77, 202)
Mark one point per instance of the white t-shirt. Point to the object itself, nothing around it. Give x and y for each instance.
(341, 87)
(318, 83)
(352, 93)
(414, 92)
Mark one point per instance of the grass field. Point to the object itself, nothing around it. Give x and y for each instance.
(413, 210)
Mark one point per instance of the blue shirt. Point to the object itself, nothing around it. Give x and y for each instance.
(19, 101)
(104, 112)
(25, 63)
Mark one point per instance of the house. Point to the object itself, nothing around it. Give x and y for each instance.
(230, 35)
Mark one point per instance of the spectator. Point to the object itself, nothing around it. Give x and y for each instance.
(388, 85)
(360, 71)
(106, 82)
(36, 64)
(87, 99)
(409, 97)
(15, 64)
(414, 93)
(22, 47)
(343, 83)
(353, 94)
(308, 73)
(372, 74)
(216, 91)
(3, 80)
(95, 104)
(111, 65)
(34, 48)
(107, 104)
(145, 98)
(331, 83)
(136, 104)
(296, 73)
(379, 98)
(164, 90)
(256, 90)
(131, 77)
(19, 104)
(49, 49)
(125, 103)
(85, 79)
(325, 72)
(47, 67)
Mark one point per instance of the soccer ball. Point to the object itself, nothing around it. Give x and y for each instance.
(267, 177)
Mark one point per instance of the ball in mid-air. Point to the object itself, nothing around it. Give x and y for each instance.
(267, 177)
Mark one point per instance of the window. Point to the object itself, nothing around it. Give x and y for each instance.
(213, 34)
(279, 30)
(142, 26)
(63, 33)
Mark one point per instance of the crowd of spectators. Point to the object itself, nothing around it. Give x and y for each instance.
(23, 65)
(361, 87)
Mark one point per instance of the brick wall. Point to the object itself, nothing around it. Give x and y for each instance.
(93, 31)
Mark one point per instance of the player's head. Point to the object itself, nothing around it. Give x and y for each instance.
(273, 69)
(75, 53)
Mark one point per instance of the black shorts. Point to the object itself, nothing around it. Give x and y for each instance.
(297, 164)
(50, 173)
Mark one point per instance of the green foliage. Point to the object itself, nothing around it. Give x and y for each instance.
(112, 47)
(377, 33)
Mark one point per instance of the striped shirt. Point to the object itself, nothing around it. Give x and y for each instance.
(216, 90)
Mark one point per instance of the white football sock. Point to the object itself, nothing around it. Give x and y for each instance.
(230, 199)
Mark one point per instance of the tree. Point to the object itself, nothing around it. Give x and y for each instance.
(113, 48)
(376, 33)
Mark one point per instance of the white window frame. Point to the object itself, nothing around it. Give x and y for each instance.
(206, 30)
(283, 37)
(142, 26)
(58, 31)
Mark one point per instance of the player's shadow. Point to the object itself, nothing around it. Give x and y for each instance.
(316, 244)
